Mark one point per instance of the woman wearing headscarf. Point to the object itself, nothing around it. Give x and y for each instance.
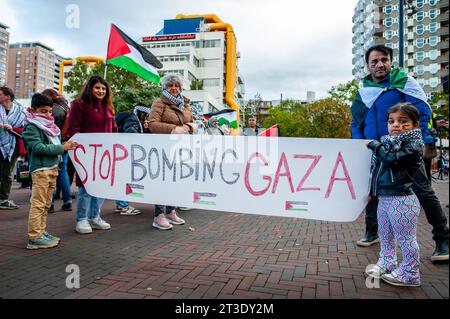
(170, 114)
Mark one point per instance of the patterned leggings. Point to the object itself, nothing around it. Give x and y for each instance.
(397, 223)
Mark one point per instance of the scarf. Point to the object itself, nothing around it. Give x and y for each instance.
(15, 118)
(178, 101)
(45, 123)
(394, 143)
(142, 109)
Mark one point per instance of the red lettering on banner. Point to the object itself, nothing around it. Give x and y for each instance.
(283, 162)
(265, 177)
(316, 159)
(95, 146)
(75, 157)
(340, 160)
(117, 159)
(105, 154)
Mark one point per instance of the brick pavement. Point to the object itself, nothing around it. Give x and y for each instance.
(227, 256)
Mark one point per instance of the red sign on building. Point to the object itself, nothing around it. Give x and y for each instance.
(169, 37)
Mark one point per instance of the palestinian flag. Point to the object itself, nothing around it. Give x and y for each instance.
(125, 53)
(227, 116)
(133, 190)
(271, 132)
(296, 206)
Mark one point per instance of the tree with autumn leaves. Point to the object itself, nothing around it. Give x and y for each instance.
(127, 88)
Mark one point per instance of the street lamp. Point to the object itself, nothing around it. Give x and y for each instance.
(410, 11)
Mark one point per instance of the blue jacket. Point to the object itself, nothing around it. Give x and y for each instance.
(371, 123)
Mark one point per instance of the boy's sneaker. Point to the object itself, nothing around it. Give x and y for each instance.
(130, 211)
(8, 205)
(67, 207)
(161, 222)
(41, 243)
(83, 227)
(375, 272)
(184, 208)
(51, 237)
(395, 281)
(174, 219)
(98, 223)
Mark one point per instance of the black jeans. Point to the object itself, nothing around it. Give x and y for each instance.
(6, 170)
(428, 200)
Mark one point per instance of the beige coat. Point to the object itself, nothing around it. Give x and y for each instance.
(165, 116)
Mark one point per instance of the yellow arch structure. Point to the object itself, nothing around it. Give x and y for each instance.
(88, 59)
(216, 24)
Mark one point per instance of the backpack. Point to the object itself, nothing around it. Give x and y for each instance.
(121, 119)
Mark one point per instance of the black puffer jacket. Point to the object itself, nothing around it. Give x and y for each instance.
(395, 160)
(128, 122)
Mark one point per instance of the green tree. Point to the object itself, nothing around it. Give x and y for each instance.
(127, 88)
(344, 93)
(325, 118)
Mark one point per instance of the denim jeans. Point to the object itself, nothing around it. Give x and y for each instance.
(88, 207)
(62, 183)
(428, 200)
(159, 209)
(122, 203)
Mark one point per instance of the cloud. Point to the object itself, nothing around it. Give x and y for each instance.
(286, 46)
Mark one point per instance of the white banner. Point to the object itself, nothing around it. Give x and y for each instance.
(322, 179)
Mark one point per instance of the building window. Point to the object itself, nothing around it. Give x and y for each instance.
(433, 68)
(420, 69)
(420, 56)
(432, 2)
(433, 40)
(433, 54)
(2, 65)
(434, 82)
(420, 42)
(420, 15)
(420, 29)
(433, 27)
(420, 3)
(388, 34)
(211, 82)
(433, 13)
(388, 22)
(388, 9)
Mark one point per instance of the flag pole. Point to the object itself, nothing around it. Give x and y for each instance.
(106, 69)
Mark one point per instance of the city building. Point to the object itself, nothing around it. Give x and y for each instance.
(426, 37)
(187, 47)
(4, 45)
(31, 68)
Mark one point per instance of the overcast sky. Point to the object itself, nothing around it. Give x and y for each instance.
(286, 46)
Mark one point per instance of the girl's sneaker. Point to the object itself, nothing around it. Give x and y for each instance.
(174, 219)
(395, 281)
(161, 222)
(130, 211)
(41, 243)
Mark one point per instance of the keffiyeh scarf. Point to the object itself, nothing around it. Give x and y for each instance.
(178, 101)
(45, 123)
(15, 118)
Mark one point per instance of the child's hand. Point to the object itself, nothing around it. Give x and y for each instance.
(69, 145)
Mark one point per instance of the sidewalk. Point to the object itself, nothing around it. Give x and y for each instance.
(228, 255)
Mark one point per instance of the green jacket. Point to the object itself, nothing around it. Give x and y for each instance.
(41, 151)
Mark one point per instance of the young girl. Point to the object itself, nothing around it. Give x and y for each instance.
(394, 161)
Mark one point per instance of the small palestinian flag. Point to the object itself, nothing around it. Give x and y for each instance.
(227, 116)
(296, 206)
(271, 132)
(133, 190)
(125, 53)
(202, 198)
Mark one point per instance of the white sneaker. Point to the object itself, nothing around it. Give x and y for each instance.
(83, 227)
(98, 223)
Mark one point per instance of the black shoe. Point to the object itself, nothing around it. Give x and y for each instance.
(368, 240)
(51, 210)
(67, 207)
(441, 251)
